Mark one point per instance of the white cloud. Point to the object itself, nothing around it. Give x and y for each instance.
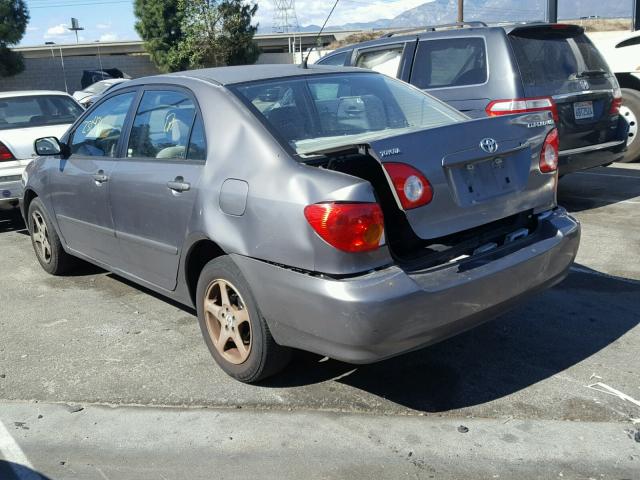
(348, 11)
(103, 26)
(32, 29)
(109, 37)
(57, 31)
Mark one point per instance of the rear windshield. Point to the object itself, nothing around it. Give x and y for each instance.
(37, 111)
(555, 59)
(329, 111)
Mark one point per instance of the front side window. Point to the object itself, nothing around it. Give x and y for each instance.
(162, 125)
(385, 61)
(99, 133)
(328, 111)
(37, 111)
(337, 60)
(454, 62)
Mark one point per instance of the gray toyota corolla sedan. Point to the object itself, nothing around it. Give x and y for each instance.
(337, 211)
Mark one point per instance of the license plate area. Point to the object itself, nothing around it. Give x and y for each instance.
(481, 180)
(583, 110)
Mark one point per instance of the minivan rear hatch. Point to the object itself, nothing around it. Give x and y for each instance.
(559, 61)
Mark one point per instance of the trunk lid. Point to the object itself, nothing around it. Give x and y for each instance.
(561, 62)
(471, 186)
(20, 140)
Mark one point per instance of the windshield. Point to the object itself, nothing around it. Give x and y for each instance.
(555, 60)
(328, 111)
(37, 111)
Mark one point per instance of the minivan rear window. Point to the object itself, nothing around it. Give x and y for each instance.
(554, 60)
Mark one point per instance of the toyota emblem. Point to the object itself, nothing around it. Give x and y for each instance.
(489, 145)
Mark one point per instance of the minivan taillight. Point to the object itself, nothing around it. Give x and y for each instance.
(549, 154)
(522, 105)
(412, 187)
(5, 153)
(350, 227)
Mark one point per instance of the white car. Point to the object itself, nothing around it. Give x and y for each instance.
(89, 95)
(24, 117)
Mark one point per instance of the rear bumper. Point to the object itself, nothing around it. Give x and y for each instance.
(10, 193)
(388, 312)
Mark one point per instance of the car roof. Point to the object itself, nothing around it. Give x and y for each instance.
(32, 93)
(249, 73)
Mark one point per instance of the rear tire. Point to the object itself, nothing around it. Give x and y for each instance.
(233, 328)
(46, 242)
(630, 110)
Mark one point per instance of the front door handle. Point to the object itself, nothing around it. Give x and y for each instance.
(179, 185)
(100, 177)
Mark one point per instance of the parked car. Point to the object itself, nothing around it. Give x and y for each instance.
(622, 50)
(498, 70)
(90, 94)
(337, 211)
(24, 117)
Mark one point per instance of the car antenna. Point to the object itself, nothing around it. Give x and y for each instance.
(305, 62)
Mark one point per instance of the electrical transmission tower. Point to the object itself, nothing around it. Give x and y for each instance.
(285, 19)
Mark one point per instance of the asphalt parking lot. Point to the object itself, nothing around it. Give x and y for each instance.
(570, 355)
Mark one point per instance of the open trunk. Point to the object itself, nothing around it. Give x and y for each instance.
(481, 200)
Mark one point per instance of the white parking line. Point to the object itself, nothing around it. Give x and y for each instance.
(11, 452)
(600, 199)
(630, 177)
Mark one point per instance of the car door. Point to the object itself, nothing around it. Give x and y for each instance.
(154, 188)
(80, 184)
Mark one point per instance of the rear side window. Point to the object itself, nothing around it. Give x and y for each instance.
(454, 62)
(162, 125)
(554, 60)
(197, 143)
(336, 60)
(385, 60)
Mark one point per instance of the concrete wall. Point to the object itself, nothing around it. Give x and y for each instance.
(47, 74)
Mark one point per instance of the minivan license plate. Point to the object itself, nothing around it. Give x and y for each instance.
(583, 110)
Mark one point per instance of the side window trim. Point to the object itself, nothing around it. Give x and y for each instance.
(162, 87)
(74, 128)
(486, 56)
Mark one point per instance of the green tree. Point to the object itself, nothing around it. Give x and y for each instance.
(159, 25)
(14, 17)
(217, 33)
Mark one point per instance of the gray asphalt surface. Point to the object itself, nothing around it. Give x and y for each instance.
(94, 338)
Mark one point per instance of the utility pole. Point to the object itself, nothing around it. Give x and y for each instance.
(552, 11)
(636, 15)
(460, 11)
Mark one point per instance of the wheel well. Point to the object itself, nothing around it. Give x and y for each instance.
(199, 255)
(626, 80)
(27, 198)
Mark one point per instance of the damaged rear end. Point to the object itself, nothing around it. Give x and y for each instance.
(466, 210)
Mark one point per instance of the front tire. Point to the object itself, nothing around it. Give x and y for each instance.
(630, 110)
(233, 328)
(46, 242)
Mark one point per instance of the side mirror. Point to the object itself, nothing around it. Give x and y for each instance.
(49, 146)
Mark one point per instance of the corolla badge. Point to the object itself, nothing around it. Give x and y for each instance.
(390, 152)
(489, 145)
(584, 85)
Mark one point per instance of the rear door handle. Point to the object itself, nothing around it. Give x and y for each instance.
(179, 185)
(100, 177)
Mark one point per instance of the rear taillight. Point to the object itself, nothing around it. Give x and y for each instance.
(412, 187)
(5, 153)
(616, 103)
(350, 227)
(549, 154)
(522, 105)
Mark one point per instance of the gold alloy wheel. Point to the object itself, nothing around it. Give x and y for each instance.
(40, 237)
(227, 320)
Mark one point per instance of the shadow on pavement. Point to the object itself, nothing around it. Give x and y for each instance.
(11, 221)
(598, 188)
(534, 342)
(14, 471)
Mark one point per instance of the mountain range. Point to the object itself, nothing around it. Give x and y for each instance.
(445, 11)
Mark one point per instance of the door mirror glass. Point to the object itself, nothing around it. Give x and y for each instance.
(48, 146)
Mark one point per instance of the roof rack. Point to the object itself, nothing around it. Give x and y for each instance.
(433, 28)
